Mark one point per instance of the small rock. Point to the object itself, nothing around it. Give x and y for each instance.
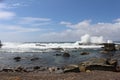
(19, 69)
(88, 71)
(82, 68)
(8, 70)
(36, 67)
(29, 69)
(111, 61)
(57, 54)
(34, 59)
(52, 69)
(84, 53)
(66, 54)
(59, 71)
(17, 59)
(104, 52)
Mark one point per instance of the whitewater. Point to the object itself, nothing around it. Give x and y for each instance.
(86, 42)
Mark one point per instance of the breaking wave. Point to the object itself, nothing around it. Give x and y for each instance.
(86, 41)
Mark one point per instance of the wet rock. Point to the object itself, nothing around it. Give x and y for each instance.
(52, 69)
(88, 71)
(111, 61)
(117, 66)
(71, 68)
(84, 53)
(96, 64)
(58, 54)
(17, 59)
(8, 70)
(104, 52)
(66, 54)
(20, 69)
(55, 70)
(82, 67)
(36, 67)
(34, 59)
(43, 68)
(29, 69)
(59, 71)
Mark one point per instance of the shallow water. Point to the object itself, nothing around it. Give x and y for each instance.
(45, 56)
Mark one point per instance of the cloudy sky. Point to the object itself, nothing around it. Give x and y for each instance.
(58, 20)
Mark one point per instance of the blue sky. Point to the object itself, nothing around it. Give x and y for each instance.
(58, 20)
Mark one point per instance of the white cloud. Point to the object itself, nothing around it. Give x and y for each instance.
(18, 29)
(6, 15)
(75, 31)
(34, 21)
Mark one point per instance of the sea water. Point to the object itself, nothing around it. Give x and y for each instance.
(45, 53)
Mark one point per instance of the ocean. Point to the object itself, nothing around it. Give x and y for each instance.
(45, 54)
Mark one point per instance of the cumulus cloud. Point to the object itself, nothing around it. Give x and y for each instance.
(75, 31)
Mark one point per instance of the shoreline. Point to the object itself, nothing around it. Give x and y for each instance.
(93, 75)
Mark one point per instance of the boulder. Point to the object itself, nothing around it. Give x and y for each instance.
(71, 68)
(66, 54)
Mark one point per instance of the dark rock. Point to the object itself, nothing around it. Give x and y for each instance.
(111, 61)
(17, 59)
(36, 67)
(20, 69)
(66, 54)
(84, 53)
(117, 66)
(8, 70)
(109, 47)
(34, 59)
(43, 68)
(57, 54)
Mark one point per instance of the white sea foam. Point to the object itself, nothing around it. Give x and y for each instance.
(86, 41)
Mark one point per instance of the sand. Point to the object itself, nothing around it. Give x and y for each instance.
(92, 75)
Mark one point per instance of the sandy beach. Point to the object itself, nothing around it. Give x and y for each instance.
(93, 75)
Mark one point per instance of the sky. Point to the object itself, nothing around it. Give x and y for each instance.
(58, 20)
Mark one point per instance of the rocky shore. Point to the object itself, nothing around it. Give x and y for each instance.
(106, 67)
(93, 75)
